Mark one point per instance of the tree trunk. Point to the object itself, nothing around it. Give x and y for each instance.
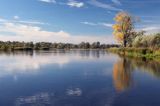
(124, 43)
(124, 40)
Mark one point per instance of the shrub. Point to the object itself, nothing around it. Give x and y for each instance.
(147, 41)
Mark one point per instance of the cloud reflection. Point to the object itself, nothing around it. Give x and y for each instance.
(21, 62)
(74, 92)
(41, 99)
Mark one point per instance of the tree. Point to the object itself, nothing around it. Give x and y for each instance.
(123, 28)
(95, 45)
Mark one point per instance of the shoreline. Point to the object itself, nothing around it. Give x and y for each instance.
(137, 52)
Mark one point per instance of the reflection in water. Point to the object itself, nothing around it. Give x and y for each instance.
(122, 74)
(77, 78)
(29, 62)
(41, 99)
(74, 92)
(149, 66)
(123, 70)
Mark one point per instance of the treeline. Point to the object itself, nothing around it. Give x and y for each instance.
(16, 45)
(147, 41)
(142, 40)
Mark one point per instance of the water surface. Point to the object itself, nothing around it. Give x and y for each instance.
(77, 78)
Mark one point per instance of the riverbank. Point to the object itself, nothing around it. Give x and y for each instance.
(17, 45)
(137, 52)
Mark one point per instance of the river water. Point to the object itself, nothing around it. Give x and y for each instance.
(77, 78)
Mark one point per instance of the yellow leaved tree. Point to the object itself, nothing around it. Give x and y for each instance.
(123, 28)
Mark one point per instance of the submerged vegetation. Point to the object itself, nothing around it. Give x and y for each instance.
(9, 46)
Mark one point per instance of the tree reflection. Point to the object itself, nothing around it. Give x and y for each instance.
(150, 66)
(122, 74)
(123, 69)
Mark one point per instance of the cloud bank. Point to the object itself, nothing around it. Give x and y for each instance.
(15, 31)
(152, 29)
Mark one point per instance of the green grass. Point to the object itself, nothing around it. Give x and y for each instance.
(137, 52)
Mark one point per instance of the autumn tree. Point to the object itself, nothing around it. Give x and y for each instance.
(123, 28)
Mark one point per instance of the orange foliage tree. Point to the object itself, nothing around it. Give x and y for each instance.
(123, 28)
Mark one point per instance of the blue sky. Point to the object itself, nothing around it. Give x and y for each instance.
(72, 20)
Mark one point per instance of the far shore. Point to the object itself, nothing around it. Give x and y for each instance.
(27, 46)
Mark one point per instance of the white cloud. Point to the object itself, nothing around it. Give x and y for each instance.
(109, 12)
(16, 20)
(2, 20)
(117, 2)
(21, 32)
(90, 38)
(29, 31)
(17, 30)
(48, 1)
(73, 3)
(152, 29)
(89, 23)
(106, 24)
(98, 24)
(16, 17)
(30, 22)
(103, 5)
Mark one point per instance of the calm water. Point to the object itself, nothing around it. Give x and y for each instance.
(77, 78)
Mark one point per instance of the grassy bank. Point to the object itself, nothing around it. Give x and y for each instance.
(137, 52)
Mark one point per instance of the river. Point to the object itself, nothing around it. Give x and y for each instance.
(77, 78)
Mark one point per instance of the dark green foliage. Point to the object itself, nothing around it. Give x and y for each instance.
(137, 52)
(9, 46)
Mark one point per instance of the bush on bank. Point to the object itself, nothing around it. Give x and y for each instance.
(147, 41)
(137, 52)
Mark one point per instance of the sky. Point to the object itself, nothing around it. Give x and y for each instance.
(72, 21)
